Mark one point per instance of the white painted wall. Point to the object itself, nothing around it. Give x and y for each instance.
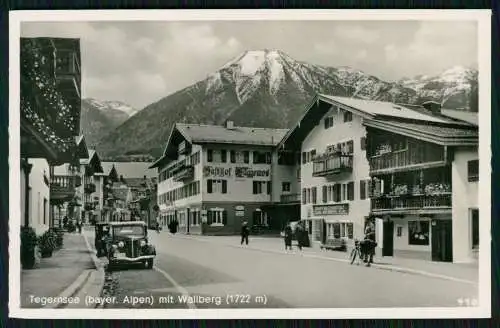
(319, 138)
(464, 197)
(238, 189)
(40, 191)
(402, 242)
(280, 174)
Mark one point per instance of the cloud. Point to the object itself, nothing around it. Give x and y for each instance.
(141, 62)
(357, 34)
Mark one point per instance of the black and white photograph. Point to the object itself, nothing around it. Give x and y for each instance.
(250, 164)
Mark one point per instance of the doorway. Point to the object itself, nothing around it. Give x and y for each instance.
(442, 243)
(388, 238)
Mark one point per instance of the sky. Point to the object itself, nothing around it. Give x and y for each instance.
(141, 62)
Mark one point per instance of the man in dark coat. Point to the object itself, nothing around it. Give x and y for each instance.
(300, 231)
(369, 243)
(288, 235)
(244, 233)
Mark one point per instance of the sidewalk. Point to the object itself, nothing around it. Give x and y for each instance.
(65, 272)
(466, 272)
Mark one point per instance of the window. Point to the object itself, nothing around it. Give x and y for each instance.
(328, 121)
(44, 210)
(261, 157)
(363, 143)
(210, 155)
(217, 216)
(344, 192)
(347, 116)
(246, 156)
(304, 157)
(223, 156)
(418, 232)
(308, 195)
(314, 195)
(325, 194)
(216, 186)
(269, 187)
(304, 196)
(473, 170)
(232, 155)
(399, 231)
(337, 193)
(475, 228)
(285, 186)
(258, 187)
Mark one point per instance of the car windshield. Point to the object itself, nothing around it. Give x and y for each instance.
(128, 230)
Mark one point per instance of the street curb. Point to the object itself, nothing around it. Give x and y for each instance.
(374, 265)
(71, 290)
(95, 286)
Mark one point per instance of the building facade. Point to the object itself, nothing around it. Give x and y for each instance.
(402, 168)
(213, 178)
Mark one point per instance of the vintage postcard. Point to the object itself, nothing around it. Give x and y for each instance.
(250, 164)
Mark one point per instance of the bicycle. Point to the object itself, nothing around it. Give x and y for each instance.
(356, 252)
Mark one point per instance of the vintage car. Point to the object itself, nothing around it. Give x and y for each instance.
(128, 243)
(101, 233)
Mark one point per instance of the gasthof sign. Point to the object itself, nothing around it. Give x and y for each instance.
(211, 171)
(248, 172)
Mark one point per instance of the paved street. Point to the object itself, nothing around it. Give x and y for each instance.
(243, 277)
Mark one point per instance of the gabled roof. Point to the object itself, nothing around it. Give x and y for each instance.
(376, 112)
(438, 134)
(82, 149)
(469, 117)
(94, 161)
(219, 134)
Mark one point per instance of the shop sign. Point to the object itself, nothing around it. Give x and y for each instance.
(248, 172)
(334, 209)
(240, 213)
(211, 171)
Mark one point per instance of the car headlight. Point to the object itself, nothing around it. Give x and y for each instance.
(143, 243)
(121, 244)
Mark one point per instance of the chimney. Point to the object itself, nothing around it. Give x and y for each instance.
(229, 124)
(432, 106)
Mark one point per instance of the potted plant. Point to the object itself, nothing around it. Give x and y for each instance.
(47, 243)
(28, 247)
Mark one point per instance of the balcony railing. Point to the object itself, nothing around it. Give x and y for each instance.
(89, 188)
(411, 203)
(62, 187)
(405, 159)
(290, 198)
(332, 163)
(186, 173)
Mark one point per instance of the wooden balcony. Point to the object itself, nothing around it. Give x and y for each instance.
(406, 160)
(62, 187)
(417, 204)
(185, 173)
(68, 71)
(332, 163)
(290, 198)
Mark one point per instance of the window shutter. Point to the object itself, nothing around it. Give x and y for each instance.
(350, 190)
(224, 186)
(362, 189)
(304, 157)
(268, 187)
(224, 217)
(350, 146)
(314, 195)
(246, 156)
(209, 186)
(363, 143)
(325, 194)
(326, 122)
(304, 196)
(255, 157)
(210, 155)
(254, 187)
(268, 158)
(232, 154)
(223, 155)
(209, 217)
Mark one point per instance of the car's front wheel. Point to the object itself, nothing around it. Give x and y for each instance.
(149, 264)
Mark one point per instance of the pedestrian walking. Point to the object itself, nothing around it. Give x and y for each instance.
(244, 233)
(79, 226)
(370, 243)
(288, 236)
(299, 233)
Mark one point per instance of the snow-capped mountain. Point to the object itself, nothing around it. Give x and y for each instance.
(268, 88)
(98, 118)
